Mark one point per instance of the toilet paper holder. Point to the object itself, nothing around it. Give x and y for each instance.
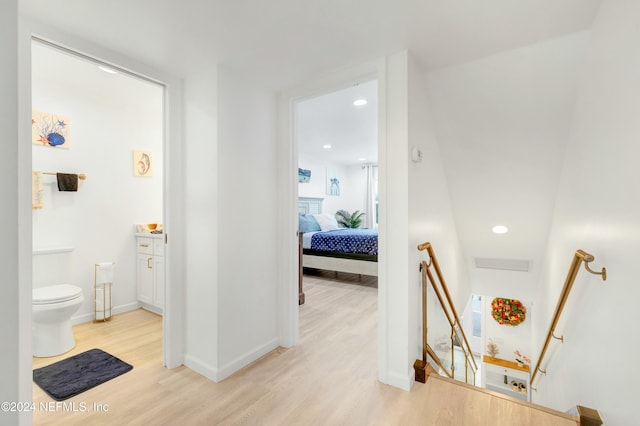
(102, 291)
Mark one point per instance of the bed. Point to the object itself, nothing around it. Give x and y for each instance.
(323, 245)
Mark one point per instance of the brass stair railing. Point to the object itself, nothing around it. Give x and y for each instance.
(579, 257)
(457, 335)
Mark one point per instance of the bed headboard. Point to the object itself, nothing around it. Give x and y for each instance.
(310, 205)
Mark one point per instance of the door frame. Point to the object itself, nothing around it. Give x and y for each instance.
(288, 195)
(173, 174)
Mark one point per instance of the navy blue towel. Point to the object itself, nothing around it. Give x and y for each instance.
(67, 181)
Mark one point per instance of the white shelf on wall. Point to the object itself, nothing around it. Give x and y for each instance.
(495, 369)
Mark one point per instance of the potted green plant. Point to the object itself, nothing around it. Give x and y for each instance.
(349, 220)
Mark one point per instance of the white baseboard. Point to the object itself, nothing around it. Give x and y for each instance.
(400, 381)
(150, 308)
(88, 317)
(247, 358)
(201, 367)
(217, 375)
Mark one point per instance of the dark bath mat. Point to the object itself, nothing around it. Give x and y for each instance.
(74, 375)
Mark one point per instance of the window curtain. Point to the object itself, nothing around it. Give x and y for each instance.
(371, 204)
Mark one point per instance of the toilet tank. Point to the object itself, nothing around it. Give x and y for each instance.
(51, 266)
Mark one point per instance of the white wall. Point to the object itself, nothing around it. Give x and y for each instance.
(357, 191)
(597, 210)
(231, 190)
(513, 285)
(247, 204)
(353, 185)
(110, 116)
(10, 253)
(415, 208)
(394, 227)
(508, 338)
(201, 217)
(430, 213)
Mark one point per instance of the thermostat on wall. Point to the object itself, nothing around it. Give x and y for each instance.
(416, 154)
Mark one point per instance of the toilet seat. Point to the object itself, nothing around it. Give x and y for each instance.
(55, 294)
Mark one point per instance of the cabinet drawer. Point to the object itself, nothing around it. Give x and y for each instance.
(145, 245)
(496, 369)
(158, 246)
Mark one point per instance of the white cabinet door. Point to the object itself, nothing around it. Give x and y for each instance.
(145, 278)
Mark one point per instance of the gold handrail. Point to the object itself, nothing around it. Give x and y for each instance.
(453, 322)
(579, 257)
(426, 349)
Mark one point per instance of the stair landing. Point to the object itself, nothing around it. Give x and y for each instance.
(449, 402)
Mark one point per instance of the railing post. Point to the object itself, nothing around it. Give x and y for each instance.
(589, 416)
(420, 366)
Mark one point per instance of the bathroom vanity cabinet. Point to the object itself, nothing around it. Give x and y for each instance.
(150, 271)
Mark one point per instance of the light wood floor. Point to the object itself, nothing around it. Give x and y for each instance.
(330, 378)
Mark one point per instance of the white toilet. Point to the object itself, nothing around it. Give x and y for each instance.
(52, 308)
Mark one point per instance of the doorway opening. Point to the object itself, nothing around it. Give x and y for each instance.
(473, 323)
(336, 135)
(110, 130)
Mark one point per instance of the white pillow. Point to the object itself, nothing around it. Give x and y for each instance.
(327, 222)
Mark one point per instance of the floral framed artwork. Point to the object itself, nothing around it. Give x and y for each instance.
(142, 163)
(50, 130)
(508, 311)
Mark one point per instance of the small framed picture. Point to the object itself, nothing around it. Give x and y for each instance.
(50, 130)
(333, 183)
(304, 176)
(142, 163)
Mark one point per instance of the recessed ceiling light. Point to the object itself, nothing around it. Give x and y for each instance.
(360, 102)
(363, 159)
(500, 229)
(327, 146)
(107, 69)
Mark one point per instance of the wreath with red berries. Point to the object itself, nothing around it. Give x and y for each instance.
(508, 311)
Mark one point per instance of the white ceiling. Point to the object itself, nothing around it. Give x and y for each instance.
(285, 42)
(332, 119)
(502, 79)
(502, 124)
(83, 75)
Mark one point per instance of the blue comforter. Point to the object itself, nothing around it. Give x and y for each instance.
(346, 241)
